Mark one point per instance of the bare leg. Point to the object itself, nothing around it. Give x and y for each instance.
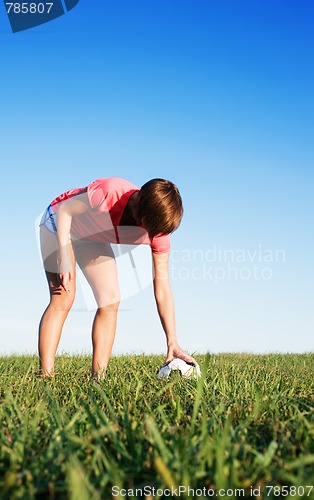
(99, 267)
(52, 321)
(103, 335)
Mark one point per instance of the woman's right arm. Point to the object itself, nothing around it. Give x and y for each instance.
(68, 208)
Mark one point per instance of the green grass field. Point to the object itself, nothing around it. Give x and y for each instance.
(248, 423)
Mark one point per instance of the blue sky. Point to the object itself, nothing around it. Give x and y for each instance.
(214, 95)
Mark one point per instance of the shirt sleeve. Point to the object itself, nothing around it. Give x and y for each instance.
(160, 244)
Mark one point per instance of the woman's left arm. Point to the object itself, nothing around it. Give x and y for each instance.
(165, 307)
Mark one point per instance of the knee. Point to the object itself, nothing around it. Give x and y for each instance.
(63, 305)
(109, 299)
(67, 305)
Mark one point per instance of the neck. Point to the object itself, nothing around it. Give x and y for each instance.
(133, 204)
(129, 215)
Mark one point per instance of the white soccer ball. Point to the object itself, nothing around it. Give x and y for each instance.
(187, 370)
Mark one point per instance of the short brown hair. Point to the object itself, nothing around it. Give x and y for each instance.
(159, 207)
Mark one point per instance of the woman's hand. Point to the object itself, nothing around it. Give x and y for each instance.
(175, 351)
(66, 279)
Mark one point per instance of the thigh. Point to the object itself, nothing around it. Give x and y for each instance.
(49, 250)
(98, 265)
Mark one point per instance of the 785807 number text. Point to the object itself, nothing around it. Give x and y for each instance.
(28, 8)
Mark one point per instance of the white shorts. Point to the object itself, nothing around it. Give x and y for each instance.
(49, 220)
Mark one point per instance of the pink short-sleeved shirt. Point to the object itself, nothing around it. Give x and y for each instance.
(108, 198)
